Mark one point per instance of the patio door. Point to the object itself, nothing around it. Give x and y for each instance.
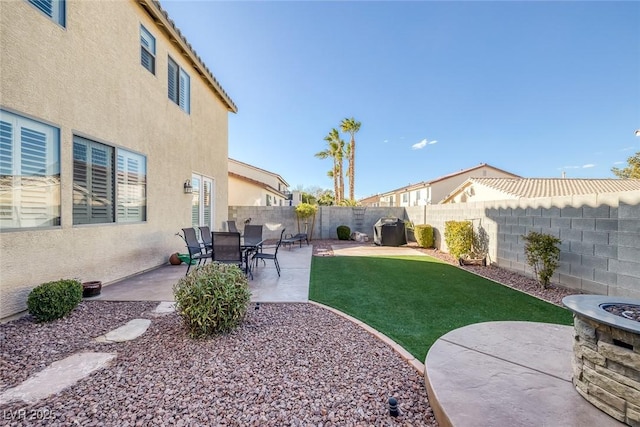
(202, 203)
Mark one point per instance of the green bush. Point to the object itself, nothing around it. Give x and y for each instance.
(344, 232)
(53, 300)
(458, 235)
(424, 235)
(212, 299)
(542, 254)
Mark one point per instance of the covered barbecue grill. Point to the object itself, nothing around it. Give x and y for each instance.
(389, 232)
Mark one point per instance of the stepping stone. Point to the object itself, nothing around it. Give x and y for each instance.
(132, 330)
(56, 377)
(165, 307)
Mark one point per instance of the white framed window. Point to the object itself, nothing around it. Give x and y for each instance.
(109, 184)
(147, 50)
(179, 86)
(29, 173)
(54, 9)
(202, 201)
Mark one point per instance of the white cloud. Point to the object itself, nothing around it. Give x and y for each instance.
(422, 144)
(419, 145)
(619, 163)
(588, 165)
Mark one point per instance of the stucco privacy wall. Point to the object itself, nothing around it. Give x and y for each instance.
(86, 79)
(600, 250)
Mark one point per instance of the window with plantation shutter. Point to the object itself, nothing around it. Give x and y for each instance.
(147, 50)
(29, 173)
(179, 86)
(54, 9)
(132, 187)
(109, 184)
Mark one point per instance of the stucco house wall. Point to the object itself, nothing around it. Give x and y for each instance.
(86, 79)
(246, 193)
(441, 188)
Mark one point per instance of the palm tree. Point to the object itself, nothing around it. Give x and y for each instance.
(351, 126)
(336, 152)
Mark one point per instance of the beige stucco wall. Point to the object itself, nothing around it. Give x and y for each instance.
(441, 189)
(479, 193)
(87, 79)
(245, 193)
(257, 174)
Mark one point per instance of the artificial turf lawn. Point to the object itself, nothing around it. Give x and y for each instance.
(416, 299)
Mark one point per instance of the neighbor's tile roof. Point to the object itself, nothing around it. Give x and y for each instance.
(553, 187)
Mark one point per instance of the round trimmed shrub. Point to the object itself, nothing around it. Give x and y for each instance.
(344, 232)
(54, 300)
(212, 299)
(424, 235)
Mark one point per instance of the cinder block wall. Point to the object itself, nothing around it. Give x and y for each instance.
(326, 222)
(600, 250)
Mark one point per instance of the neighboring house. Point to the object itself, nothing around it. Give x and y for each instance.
(252, 186)
(432, 192)
(489, 189)
(113, 136)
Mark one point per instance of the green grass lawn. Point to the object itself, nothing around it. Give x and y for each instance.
(416, 299)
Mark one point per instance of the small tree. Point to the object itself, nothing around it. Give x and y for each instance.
(304, 211)
(542, 254)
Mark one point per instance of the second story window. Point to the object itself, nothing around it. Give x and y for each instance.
(54, 9)
(147, 50)
(179, 86)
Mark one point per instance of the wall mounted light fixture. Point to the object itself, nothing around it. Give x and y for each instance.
(188, 189)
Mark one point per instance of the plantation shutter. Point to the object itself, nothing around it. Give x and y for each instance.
(45, 6)
(92, 182)
(147, 50)
(184, 91)
(195, 201)
(54, 9)
(207, 201)
(173, 80)
(131, 190)
(33, 165)
(6, 174)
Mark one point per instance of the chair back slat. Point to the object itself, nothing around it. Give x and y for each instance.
(193, 245)
(205, 235)
(231, 227)
(253, 233)
(226, 247)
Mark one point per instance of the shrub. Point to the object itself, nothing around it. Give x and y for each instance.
(212, 299)
(458, 235)
(54, 300)
(344, 232)
(542, 254)
(424, 235)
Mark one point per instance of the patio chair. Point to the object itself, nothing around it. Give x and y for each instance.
(290, 239)
(226, 248)
(266, 255)
(205, 236)
(196, 251)
(231, 227)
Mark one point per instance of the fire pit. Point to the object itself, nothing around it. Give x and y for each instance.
(606, 362)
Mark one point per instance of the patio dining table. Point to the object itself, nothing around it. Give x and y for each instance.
(248, 246)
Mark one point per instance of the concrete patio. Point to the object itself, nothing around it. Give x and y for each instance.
(266, 286)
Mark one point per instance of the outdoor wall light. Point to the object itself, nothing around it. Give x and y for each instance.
(188, 189)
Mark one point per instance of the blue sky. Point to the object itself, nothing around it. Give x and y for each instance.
(534, 88)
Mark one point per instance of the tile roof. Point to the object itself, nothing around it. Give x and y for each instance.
(551, 187)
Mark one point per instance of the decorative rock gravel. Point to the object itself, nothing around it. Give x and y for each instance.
(288, 364)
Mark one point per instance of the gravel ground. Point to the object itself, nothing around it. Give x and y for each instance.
(288, 364)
